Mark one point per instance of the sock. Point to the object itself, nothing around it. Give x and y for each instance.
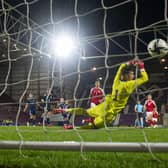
(142, 122)
(66, 122)
(150, 122)
(31, 121)
(34, 122)
(41, 120)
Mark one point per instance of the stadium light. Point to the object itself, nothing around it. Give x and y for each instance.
(94, 68)
(83, 58)
(163, 60)
(166, 67)
(63, 45)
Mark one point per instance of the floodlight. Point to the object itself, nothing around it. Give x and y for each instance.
(94, 68)
(63, 45)
(163, 60)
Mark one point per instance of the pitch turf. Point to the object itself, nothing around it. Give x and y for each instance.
(61, 159)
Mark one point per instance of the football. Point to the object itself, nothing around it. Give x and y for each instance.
(158, 47)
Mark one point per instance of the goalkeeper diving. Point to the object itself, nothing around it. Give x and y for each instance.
(124, 84)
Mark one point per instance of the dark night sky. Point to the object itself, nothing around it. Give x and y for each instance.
(118, 19)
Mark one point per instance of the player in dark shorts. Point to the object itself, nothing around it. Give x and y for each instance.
(46, 102)
(31, 108)
(66, 116)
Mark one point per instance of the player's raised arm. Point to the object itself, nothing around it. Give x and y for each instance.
(144, 75)
(118, 74)
(132, 84)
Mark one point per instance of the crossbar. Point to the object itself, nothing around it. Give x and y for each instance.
(86, 146)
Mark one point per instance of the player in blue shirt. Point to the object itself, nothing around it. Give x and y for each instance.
(139, 110)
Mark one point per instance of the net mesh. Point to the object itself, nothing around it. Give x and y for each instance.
(105, 40)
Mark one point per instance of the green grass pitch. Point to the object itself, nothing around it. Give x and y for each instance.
(63, 159)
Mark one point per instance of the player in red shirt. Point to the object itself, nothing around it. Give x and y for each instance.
(150, 107)
(96, 95)
(155, 118)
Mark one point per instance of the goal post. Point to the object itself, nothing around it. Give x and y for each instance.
(86, 146)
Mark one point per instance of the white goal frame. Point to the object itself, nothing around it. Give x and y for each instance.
(86, 146)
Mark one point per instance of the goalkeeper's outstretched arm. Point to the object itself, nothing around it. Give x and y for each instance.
(140, 80)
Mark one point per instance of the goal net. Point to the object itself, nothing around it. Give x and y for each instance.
(57, 49)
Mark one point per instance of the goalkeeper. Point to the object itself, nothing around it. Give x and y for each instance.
(124, 84)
